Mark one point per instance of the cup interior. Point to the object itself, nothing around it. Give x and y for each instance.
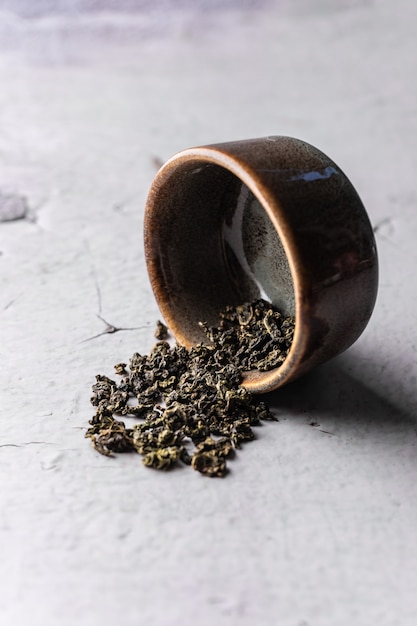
(254, 250)
(212, 245)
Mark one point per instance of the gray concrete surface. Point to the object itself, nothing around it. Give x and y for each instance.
(314, 526)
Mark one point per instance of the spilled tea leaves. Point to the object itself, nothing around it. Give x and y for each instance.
(191, 404)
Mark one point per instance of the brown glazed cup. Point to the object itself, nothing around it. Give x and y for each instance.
(273, 218)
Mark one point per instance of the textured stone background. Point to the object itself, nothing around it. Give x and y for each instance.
(314, 526)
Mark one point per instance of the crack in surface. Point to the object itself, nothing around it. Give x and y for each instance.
(11, 303)
(111, 329)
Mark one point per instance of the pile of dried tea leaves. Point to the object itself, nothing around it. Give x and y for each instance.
(190, 402)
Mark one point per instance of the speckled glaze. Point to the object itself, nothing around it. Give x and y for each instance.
(275, 217)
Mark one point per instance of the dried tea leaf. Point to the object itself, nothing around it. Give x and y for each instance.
(209, 464)
(191, 402)
(162, 458)
(102, 389)
(221, 447)
(112, 436)
(161, 331)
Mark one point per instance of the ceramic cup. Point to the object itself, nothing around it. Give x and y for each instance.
(273, 218)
